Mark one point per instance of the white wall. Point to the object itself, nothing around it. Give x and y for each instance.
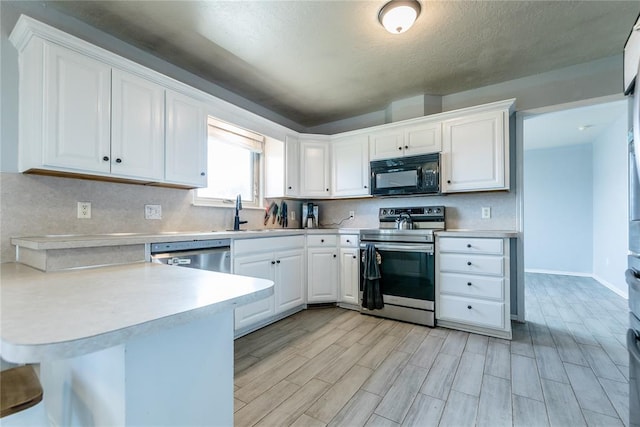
(558, 209)
(611, 206)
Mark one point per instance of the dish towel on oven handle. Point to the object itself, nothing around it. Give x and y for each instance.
(371, 292)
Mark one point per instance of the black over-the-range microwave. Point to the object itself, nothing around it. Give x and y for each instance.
(406, 175)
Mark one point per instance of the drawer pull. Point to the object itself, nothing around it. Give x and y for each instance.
(468, 262)
(273, 262)
(278, 261)
(468, 245)
(321, 240)
(469, 307)
(468, 283)
(348, 241)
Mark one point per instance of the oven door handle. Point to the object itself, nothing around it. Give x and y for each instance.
(632, 345)
(428, 248)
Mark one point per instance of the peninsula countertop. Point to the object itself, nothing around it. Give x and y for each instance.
(62, 314)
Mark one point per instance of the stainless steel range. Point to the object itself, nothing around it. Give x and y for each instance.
(405, 249)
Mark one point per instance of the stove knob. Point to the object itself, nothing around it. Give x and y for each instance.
(391, 212)
(437, 210)
(429, 210)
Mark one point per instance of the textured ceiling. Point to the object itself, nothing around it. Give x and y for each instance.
(318, 61)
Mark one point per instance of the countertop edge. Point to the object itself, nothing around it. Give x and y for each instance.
(505, 234)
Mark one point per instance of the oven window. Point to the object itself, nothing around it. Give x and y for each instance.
(408, 274)
(397, 179)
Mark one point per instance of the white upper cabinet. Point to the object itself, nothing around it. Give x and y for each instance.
(137, 129)
(75, 111)
(86, 111)
(475, 152)
(314, 168)
(350, 166)
(406, 140)
(292, 166)
(186, 141)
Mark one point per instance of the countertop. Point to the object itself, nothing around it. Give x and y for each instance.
(62, 314)
(500, 234)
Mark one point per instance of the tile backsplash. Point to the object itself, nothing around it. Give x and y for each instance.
(37, 205)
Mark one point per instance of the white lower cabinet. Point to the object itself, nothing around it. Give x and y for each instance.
(322, 265)
(280, 259)
(472, 290)
(349, 270)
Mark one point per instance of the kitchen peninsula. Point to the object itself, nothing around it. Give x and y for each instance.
(134, 344)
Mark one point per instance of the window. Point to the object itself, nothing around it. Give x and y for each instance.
(234, 166)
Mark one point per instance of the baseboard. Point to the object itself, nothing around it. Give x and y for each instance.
(558, 272)
(624, 294)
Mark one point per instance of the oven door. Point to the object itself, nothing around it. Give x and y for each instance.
(407, 274)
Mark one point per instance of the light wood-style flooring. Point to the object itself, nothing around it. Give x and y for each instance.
(567, 366)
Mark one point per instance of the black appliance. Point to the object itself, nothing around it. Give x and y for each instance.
(406, 175)
(406, 262)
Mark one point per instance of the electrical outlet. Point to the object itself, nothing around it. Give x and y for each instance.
(84, 210)
(486, 213)
(152, 212)
(292, 216)
(352, 214)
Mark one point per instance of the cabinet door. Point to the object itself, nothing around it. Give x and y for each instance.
(350, 166)
(289, 280)
(258, 266)
(137, 127)
(322, 274)
(474, 153)
(76, 111)
(386, 145)
(349, 276)
(422, 139)
(314, 172)
(186, 141)
(274, 168)
(292, 167)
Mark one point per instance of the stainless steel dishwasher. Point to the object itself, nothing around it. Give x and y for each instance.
(212, 255)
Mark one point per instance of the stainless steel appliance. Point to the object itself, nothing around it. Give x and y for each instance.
(406, 175)
(407, 262)
(309, 215)
(632, 275)
(212, 255)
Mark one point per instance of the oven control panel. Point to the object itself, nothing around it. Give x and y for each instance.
(421, 213)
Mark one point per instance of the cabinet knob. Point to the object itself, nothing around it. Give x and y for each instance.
(448, 181)
(366, 186)
(399, 148)
(468, 245)
(334, 255)
(321, 240)
(105, 158)
(468, 262)
(468, 283)
(327, 189)
(273, 262)
(201, 173)
(406, 147)
(278, 261)
(348, 241)
(289, 187)
(469, 307)
(354, 257)
(118, 160)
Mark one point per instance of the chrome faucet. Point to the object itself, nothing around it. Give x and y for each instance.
(236, 219)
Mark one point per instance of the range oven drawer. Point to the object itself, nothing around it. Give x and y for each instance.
(472, 264)
(471, 311)
(472, 286)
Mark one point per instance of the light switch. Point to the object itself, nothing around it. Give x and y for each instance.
(152, 212)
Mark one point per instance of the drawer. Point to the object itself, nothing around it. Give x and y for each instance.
(266, 244)
(471, 311)
(472, 286)
(322, 240)
(472, 264)
(349, 240)
(471, 245)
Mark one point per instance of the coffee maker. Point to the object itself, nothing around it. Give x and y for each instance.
(309, 215)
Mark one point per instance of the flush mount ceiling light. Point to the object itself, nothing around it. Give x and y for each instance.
(398, 16)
